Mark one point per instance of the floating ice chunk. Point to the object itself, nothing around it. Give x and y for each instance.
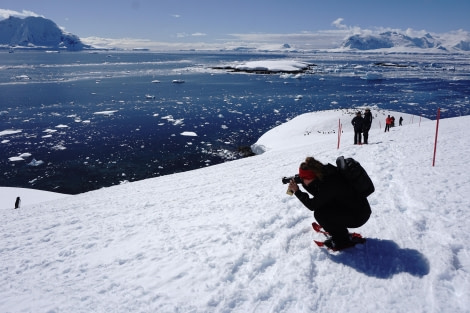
(155, 81)
(62, 126)
(49, 131)
(10, 132)
(5, 141)
(59, 147)
(25, 155)
(372, 76)
(178, 122)
(35, 162)
(22, 77)
(110, 112)
(193, 134)
(15, 159)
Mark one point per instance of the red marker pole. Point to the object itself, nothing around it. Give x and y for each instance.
(435, 140)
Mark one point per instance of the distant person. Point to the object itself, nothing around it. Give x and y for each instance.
(367, 125)
(335, 205)
(358, 123)
(400, 121)
(17, 203)
(388, 122)
(392, 124)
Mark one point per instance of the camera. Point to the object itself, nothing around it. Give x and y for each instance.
(296, 178)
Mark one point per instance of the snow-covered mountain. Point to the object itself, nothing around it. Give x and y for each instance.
(37, 32)
(396, 40)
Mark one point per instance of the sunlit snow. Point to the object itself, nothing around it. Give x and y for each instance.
(227, 238)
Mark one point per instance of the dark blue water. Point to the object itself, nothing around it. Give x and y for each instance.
(58, 100)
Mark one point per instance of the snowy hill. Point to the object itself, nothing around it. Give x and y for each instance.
(36, 32)
(400, 42)
(227, 238)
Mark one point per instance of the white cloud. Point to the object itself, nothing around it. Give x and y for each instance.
(338, 23)
(199, 34)
(4, 13)
(176, 15)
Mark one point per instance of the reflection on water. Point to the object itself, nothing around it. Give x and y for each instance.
(96, 120)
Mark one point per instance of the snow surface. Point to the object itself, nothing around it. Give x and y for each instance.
(227, 238)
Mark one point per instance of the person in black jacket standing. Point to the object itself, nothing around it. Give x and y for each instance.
(358, 123)
(335, 205)
(367, 125)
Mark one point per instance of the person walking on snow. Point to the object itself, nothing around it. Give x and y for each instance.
(335, 205)
(367, 125)
(388, 123)
(358, 123)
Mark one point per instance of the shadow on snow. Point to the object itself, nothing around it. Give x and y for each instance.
(383, 259)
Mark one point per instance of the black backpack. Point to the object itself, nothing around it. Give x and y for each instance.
(356, 175)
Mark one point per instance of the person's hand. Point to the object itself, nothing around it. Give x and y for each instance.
(293, 186)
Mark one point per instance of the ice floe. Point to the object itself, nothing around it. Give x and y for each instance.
(109, 112)
(35, 162)
(10, 132)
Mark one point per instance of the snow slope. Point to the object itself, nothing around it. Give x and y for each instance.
(227, 238)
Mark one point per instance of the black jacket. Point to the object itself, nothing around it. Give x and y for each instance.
(358, 123)
(367, 120)
(332, 194)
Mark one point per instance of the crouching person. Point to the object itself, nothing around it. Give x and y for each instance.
(335, 204)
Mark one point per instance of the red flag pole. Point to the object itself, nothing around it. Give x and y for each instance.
(435, 140)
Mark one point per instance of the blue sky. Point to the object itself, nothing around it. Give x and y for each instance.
(212, 21)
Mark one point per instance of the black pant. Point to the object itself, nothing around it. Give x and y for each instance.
(366, 136)
(336, 222)
(357, 136)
